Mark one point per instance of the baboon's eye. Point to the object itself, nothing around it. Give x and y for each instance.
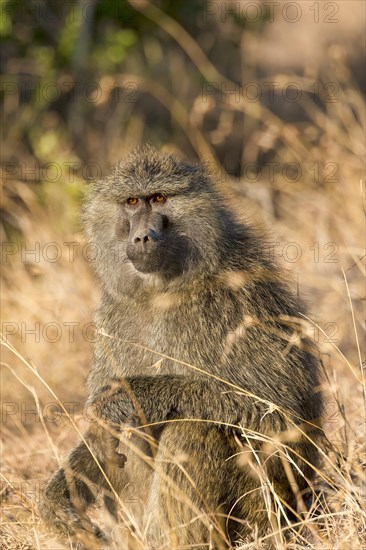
(132, 201)
(158, 198)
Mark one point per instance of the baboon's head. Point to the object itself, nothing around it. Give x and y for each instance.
(154, 220)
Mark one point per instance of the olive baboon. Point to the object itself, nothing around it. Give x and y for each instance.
(195, 339)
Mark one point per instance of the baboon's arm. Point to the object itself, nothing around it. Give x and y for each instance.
(158, 398)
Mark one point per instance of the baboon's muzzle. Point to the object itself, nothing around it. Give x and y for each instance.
(144, 246)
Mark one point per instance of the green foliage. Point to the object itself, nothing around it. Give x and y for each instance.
(68, 36)
(114, 49)
(64, 82)
(5, 20)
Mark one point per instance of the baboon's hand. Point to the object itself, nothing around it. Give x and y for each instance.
(70, 491)
(114, 405)
(62, 517)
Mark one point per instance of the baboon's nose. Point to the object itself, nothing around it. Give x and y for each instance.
(142, 239)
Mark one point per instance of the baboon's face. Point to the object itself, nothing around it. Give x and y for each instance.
(154, 220)
(155, 242)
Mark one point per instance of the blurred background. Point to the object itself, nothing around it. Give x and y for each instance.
(269, 95)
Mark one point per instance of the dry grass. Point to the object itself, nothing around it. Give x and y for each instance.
(41, 377)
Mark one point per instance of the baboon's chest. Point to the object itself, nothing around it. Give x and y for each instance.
(167, 340)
